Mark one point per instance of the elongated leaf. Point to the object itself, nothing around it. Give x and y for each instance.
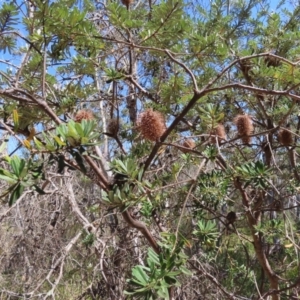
(139, 273)
(72, 132)
(59, 141)
(62, 131)
(3, 146)
(122, 165)
(79, 130)
(16, 165)
(87, 127)
(163, 293)
(152, 256)
(16, 119)
(8, 174)
(8, 179)
(39, 145)
(16, 194)
(26, 143)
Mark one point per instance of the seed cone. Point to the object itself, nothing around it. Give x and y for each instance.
(245, 127)
(151, 124)
(285, 137)
(126, 3)
(231, 217)
(267, 148)
(246, 66)
(219, 133)
(189, 143)
(113, 127)
(83, 115)
(272, 61)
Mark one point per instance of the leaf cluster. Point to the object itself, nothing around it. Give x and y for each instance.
(206, 232)
(161, 272)
(8, 19)
(254, 173)
(24, 173)
(70, 135)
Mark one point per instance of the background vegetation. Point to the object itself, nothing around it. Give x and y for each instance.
(149, 149)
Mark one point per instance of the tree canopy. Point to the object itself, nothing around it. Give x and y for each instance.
(149, 149)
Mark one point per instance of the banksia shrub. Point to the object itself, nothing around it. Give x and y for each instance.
(113, 127)
(151, 124)
(244, 126)
(189, 143)
(285, 137)
(83, 115)
(219, 133)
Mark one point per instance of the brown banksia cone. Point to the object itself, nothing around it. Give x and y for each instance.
(113, 127)
(219, 133)
(127, 3)
(267, 148)
(231, 217)
(246, 66)
(285, 137)
(244, 126)
(189, 143)
(272, 61)
(151, 124)
(83, 115)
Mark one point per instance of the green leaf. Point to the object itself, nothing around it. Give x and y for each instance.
(122, 165)
(185, 271)
(59, 141)
(7, 176)
(153, 257)
(72, 132)
(62, 130)
(163, 293)
(15, 195)
(3, 146)
(8, 179)
(39, 145)
(139, 273)
(78, 127)
(16, 165)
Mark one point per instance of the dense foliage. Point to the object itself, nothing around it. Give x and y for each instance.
(149, 149)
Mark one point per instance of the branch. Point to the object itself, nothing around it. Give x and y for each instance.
(23, 38)
(6, 213)
(195, 86)
(295, 284)
(103, 182)
(142, 228)
(213, 280)
(257, 239)
(61, 261)
(254, 89)
(163, 23)
(188, 196)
